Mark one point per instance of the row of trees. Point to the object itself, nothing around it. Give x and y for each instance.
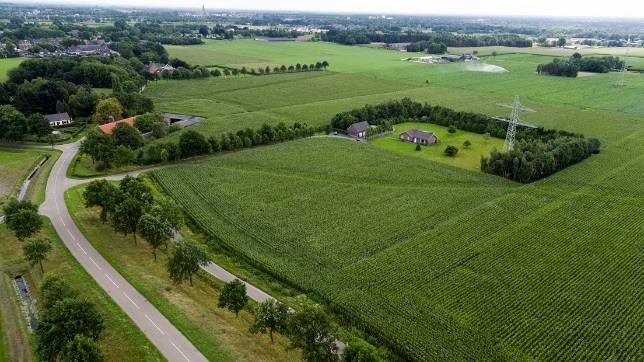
(192, 143)
(352, 37)
(69, 327)
(570, 67)
(545, 151)
(130, 208)
(428, 46)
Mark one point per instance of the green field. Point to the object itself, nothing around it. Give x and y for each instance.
(360, 75)
(468, 158)
(6, 65)
(440, 262)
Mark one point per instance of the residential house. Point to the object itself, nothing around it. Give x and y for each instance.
(358, 129)
(58, 119)
(108, 128)
(419, 137)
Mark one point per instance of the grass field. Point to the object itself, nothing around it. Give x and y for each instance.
(15, 166)
(217, 333)
(468, 158)
(121, 340)
(6, 65)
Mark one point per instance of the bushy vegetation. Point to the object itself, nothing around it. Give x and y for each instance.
(577, 63)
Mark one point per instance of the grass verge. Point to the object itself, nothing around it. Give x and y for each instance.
(217, 333)
(121, 340)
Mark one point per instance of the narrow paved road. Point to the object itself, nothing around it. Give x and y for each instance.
(168, 340)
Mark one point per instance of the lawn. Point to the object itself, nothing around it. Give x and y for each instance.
(121, 340)
(193, 310)
(15, 166)
(8, 64)
(467, 157)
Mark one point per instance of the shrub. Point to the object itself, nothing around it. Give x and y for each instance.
(451, 151)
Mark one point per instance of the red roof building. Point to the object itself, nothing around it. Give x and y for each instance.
(107, 128)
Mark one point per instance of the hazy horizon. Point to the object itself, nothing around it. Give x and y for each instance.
(545, 8)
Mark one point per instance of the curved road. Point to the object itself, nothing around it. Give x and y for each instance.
(168, 340)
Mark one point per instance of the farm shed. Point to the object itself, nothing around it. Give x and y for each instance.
(59, 119)
(419, 137)
(182, 120)
(358, 129)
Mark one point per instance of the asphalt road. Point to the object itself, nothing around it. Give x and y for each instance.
(168, 340)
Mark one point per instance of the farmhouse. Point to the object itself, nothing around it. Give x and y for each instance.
(58, 119)
(107, 128)
(158, 68)
(358, 129)
(419, 137)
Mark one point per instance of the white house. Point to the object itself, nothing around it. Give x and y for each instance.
(58, 119)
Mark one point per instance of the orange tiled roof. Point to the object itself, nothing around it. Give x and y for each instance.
(108, 127)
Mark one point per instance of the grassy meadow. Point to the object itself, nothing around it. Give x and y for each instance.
(467, 157)
(15, 166)
(8, 64)
(439, 262)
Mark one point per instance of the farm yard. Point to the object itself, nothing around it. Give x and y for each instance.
(439, 262)
(467, 157)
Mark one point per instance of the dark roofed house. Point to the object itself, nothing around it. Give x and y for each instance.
(358, 129)
(58, 119)
(182, 120)
(419, 137)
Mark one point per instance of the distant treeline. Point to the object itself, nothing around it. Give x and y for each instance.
(352, 37)
(538, 152)
(576, 63)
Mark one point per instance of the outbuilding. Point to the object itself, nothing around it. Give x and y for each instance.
(58, 119)
(419, 137)
(358, 129)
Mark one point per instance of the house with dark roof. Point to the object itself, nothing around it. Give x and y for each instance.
(419, 137)
(59, 119)
(358, 129)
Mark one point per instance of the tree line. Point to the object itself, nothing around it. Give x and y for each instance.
(353, 37)
(576, 63)
(192, 143)
(538, 152)
(69, 326)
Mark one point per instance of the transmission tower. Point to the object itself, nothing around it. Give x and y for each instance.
(513, 121)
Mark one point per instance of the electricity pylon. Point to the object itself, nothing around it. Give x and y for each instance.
(513, 121)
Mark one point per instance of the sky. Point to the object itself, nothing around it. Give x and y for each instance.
(569, 8)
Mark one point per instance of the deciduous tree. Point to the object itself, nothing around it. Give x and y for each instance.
(233, 296)
(270, 316)
(311, 330)
(36, 250)
(185, 260)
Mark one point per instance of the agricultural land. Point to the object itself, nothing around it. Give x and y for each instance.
(437, 261)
